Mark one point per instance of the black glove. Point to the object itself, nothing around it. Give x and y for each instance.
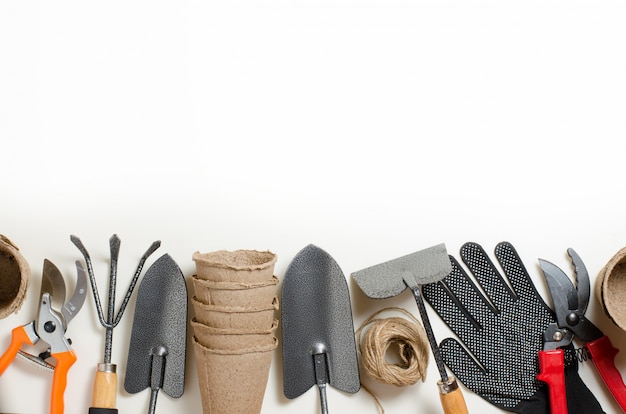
(501, 334)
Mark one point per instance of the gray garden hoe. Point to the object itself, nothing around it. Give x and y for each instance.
(411, 271)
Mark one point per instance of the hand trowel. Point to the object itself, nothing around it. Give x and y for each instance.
(411, 271)
(318, 340)
(156, 356)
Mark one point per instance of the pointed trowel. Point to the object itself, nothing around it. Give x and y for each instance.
(318, 340)
(156, 356)
(411, 271)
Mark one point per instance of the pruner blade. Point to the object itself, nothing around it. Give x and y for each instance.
(582, 280)
(71, 308)
(562, 290)
(52, 282)
(570, 303)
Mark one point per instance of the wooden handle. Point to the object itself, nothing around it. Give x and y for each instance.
(452, 400)
(105, 387)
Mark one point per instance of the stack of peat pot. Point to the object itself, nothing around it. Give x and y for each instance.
(234, 327)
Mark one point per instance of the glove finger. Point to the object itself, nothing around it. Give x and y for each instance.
(463, 365)
(516, 272)
(491, 281)
(505, 392)
(459, 303)
(469, 297)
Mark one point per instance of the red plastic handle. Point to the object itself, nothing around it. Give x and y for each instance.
(59, 382)
(552, 372)
(19, 337)
(603, 356)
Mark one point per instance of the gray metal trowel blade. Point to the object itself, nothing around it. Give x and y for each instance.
(317, 318)
(159, 327)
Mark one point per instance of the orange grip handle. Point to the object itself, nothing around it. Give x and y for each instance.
(59, 382)
(19, 337)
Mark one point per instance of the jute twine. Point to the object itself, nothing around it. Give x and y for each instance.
(412, 344)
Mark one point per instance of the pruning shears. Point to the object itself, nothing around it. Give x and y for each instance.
(570, 304)
(50, 326)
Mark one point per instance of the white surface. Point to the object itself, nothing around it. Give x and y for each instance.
(370, 128)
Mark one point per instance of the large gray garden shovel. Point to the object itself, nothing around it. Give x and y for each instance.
(318, 343)
(156, 357)
(411, 271)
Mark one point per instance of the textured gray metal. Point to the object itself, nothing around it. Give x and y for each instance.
(317, 326)
(156, 356)
(391, 278)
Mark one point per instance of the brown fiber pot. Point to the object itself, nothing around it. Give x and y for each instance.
(235, 293)
(610, 289)
(14, 278)
(232, 339)
(235, 317)
(233, 381)
(235, 266)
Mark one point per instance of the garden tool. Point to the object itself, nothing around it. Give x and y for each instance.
(498, 321)
(156, 355)
(391, 278)
(50, 326)
(570, 304)
(105, 385)
(318, 340)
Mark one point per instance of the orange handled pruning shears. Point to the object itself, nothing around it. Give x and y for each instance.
(50, 327)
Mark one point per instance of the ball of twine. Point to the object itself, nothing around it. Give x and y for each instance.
(407, 335)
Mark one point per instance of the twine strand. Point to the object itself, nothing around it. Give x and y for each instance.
(408, 335)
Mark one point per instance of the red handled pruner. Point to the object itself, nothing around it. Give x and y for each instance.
(570, 304)
(50, 326)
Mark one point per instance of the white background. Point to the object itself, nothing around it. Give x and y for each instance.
(369, 128)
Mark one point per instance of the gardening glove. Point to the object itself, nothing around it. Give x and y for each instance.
(501, 334)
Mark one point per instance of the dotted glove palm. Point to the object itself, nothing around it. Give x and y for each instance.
(501, 333)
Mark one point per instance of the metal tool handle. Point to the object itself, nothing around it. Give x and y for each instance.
(323, 399)
(59, 381)
(552, 372)
(321, 378)
(603, 356)
(452, 400)
(19, 336)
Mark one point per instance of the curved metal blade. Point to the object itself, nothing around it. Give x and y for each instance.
(582, 280)
(317, 325)
(52, 282)
(564, 297)
(74, 305)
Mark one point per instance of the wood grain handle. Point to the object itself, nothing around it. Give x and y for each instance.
(105, 387)
(452, 400)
